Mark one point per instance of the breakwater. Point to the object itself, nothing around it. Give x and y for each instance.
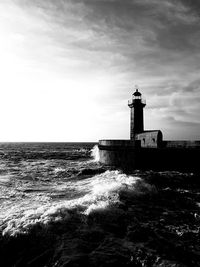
(170, 155)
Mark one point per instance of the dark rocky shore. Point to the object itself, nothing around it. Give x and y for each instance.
(157, 226)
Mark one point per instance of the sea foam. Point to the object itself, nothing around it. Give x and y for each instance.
(101, 191)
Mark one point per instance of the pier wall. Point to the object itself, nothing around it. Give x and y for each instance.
(172, 155)
(181, 144)
(168, 159)
(117, 153)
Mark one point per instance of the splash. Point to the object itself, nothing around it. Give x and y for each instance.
(95, 153)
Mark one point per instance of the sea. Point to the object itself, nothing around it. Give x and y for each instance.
(60, 207)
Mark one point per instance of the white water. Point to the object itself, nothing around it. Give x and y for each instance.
(95, 153)
(100, 191)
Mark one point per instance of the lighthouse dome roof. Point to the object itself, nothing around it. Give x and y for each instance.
(137, 93)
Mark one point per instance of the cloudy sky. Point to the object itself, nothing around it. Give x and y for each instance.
(68, 68)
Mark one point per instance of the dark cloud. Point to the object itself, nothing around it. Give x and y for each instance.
(192, 87)
(193, 4)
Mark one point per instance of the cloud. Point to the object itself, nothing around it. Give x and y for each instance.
(143, 36)
(102, 48)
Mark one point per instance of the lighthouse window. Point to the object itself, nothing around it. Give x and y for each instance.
(154, 140)
(143, 140)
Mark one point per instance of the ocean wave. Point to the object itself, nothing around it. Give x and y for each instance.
(102, 191)
(142, 219)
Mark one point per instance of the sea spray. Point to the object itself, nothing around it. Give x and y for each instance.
(95, 153)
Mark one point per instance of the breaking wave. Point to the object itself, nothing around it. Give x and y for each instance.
(97, 192)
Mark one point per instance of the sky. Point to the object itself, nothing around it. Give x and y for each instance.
(68, 68)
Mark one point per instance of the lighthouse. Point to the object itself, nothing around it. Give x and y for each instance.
(146, 149)
(136, 104)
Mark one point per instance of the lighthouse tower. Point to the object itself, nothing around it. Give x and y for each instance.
(136, 105)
